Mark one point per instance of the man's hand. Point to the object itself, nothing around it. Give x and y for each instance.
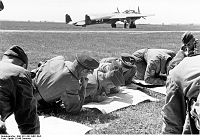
(2, 127)
(184, 48)
(84, 82)
(101, 97)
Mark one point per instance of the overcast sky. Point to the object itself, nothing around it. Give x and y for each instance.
(166, 11)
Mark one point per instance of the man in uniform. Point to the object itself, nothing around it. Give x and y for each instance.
(181, 112)
(126, 62)
(183, 85)
(189, 48)
(16, 92)
(152, 65)
(57, 79)
(100, 83)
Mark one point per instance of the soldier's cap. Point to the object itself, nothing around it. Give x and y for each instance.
(17, 52)
(1, 5)
(87, 62)
(186, 37)
(116, 77)
(128, 60)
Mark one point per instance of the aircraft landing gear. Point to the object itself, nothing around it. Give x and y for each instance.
(125, 24)
(132, 25)
(113, 25)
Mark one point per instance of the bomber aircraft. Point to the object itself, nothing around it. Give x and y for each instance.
(127, 17)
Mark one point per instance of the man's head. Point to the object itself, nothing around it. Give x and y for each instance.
(188, 40)
(17, 55)
(87, 63)
(127, 62)
(190, 44)
(186, 37)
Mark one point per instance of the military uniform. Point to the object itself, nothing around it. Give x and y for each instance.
(16, 94)
(183, 84)
(127, 66)
(181, 111)
(181, 54)
(151, 65)
(100, 83)
(57, 79)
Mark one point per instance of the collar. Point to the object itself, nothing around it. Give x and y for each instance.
(72, 69)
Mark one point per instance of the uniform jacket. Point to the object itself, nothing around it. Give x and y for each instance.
(151, 63)
(183, 83)
(16, 96)
(98, 86)
(180, 55)
(56, 79)
(105, 66)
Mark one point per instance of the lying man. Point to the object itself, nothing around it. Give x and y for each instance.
(60, 80)
(125, 63)
(100, 83)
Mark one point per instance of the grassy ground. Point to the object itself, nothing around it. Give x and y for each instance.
(144, 118)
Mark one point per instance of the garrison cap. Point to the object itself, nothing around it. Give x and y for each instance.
(127, 60)
(186, 37)
(17, 52)
(116, 77)
(1, 5)
(87, 62)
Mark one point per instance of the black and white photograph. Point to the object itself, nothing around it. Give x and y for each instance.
(105, 68)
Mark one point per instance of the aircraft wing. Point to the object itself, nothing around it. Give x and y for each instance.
(124, 16)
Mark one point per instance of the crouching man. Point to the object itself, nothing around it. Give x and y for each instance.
(183, 86)
(57, 79)
(181, 112)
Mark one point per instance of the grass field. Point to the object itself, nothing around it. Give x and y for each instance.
(144, 118)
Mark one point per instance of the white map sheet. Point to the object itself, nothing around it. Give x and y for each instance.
(124, 98)
(51, 126)
(161, 90)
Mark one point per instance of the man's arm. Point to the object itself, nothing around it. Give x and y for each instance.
(176, 60)
(73, 100)
(26, 107)
(82, 91)
(151, 74)
(2, 127)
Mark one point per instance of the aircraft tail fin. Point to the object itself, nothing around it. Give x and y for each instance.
(138, 10)
(87, 20)
(118, 10)
(67, 18)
